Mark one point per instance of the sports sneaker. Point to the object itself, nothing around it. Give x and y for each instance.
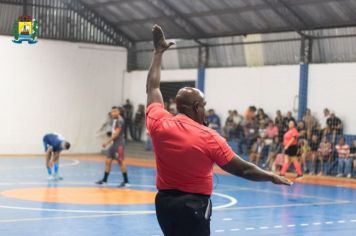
(57, 177)
(101, 182)
(50, 178)
(339, 175)
(123, 185)
(348, 176)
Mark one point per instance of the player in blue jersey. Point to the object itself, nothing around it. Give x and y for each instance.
(53, 145)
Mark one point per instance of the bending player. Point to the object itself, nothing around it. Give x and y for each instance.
(116, 150)
(53, 145)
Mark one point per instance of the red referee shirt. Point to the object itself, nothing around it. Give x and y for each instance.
(185, 151)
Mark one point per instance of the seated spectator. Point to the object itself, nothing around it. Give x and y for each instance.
(353, 154)
(237, 131)
(270, 133)
(303, 151)
(313, 153)
(274, 149)
(250, 114)
(302, 130)
(344, 160)
(334, 126)
(256, 150)
(238, 119)
(213, 120)
(316, 130)
(309, 122)
(324, 153)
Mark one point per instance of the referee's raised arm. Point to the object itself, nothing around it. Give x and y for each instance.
(154, 74)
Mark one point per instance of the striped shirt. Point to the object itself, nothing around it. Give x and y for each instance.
(343, 151)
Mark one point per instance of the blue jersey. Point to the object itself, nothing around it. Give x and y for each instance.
(54, 141)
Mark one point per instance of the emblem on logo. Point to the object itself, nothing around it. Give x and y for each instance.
(25, 29)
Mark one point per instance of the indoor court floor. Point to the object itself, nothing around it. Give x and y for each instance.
(31, 205)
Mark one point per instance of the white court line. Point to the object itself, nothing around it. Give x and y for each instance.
(264, 227)
(219, 230)
(317, 223)
(304, 224)
(341, 222)
(250, 228)
(353, 221)
(278, 226)
(57, 218)
(227, 219)
(290, 226)
(329, 222)
(234, 230)
(74, 163)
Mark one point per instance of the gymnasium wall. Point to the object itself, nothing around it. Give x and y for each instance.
(269, 87)
(60, 87)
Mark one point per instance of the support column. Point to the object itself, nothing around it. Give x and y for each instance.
(305, 58)
(203, 63)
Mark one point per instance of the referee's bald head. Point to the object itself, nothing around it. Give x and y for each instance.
(190, 101)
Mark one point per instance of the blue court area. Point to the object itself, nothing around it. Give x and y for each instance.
(240, 207)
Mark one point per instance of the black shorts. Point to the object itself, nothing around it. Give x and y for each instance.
(183, 214)
(292, 150)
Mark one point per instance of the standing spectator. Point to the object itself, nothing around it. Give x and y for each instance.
(278, 120)
(138, 123)
(249, 115)
(256, 151)
(334, 126)
(309, 122)
(229, 126)
(344, 160)
(274, 149)
(213, 120)
(128, 112)
(324, 153)
(262, 118)
(302, 130)
(290, 142)
(326, 115)
(313, 154)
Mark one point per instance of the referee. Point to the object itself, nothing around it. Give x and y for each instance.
(186, 151)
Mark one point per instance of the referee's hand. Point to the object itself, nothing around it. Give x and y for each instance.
(276, 179)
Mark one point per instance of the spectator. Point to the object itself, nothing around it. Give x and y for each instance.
(250, 114)
(270, 133)
(229, 125)
(309, 122)
(334, 126)
(213, 120)
(262, 118)
(278, 120)
(303, 151)
(274, 149)
(250, 134)
(344, 160)
(256, 150)
(324, 153)
(138, 123)
(316, 130)
(353, 154)
(238, 119)
(326, 115)
(127, 115)
(106, 126)
(313, 154)
(302, 130)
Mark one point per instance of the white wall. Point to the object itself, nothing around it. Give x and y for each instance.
(269, 87)
(334, 86)
(59, 87)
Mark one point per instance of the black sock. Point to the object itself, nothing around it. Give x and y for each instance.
(106, 175)
(126, 179)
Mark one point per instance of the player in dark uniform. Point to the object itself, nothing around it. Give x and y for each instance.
(53, 145)
(116, 149)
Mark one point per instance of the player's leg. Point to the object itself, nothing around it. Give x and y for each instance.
(285, 166)
(122, 165)
(111, 155)
(56, 156)
(49, 164)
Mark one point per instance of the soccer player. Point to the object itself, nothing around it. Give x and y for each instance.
(53, 145)
(116, 149)
(185, 151)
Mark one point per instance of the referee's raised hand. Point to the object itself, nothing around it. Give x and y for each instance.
(159, 41)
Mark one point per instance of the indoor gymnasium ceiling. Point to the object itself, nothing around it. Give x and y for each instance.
(216, 18)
